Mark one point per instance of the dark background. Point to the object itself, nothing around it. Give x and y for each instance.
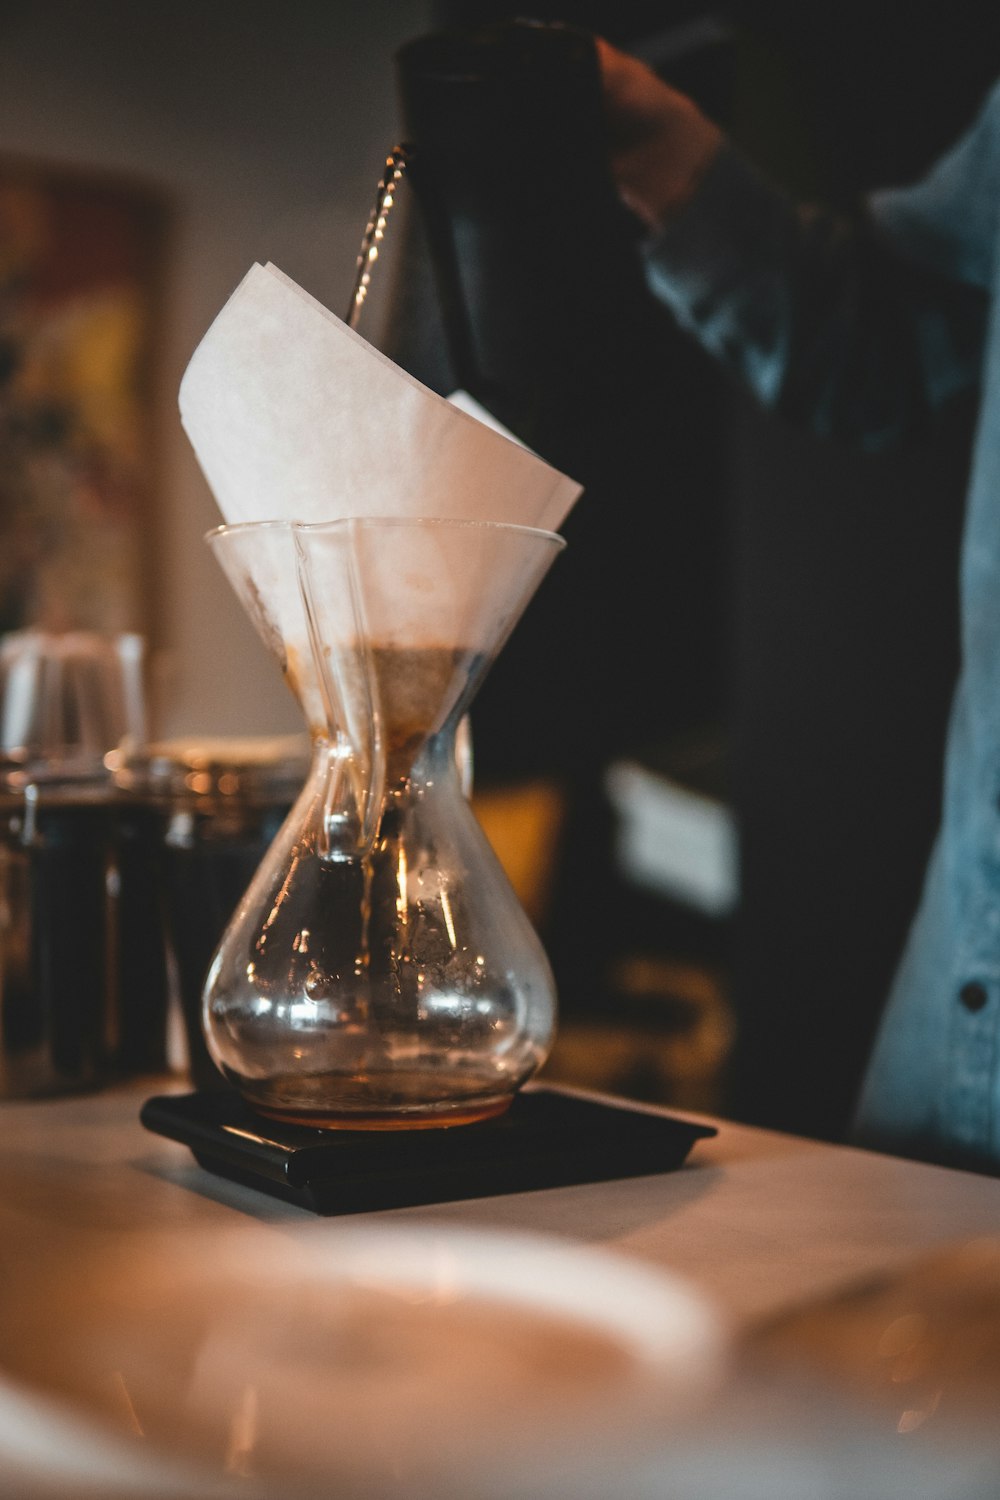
(727, 573)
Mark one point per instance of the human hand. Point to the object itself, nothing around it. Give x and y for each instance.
(659, 141)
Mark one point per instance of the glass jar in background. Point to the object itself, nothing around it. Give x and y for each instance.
(83, 971)
(56, 1029)
(222, 802)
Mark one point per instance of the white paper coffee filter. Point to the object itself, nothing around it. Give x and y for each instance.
(294, 416)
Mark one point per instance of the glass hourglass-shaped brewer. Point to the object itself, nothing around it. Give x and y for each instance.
(380, 971)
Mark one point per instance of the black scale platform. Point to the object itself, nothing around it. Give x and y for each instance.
(546, 1139)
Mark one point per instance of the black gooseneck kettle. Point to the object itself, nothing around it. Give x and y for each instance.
(539, 295)
(542, 297)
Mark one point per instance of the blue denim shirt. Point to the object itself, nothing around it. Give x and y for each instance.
(861, 329)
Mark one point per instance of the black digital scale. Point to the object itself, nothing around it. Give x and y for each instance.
(546, 1139)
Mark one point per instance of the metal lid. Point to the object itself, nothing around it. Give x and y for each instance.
(210, 773)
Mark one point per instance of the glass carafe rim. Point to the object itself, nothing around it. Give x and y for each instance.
(375, 522)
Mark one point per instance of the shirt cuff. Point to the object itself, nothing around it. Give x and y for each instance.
(734, 226)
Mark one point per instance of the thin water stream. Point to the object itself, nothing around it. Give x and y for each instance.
(371, 243)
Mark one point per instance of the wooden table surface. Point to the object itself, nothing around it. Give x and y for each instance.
(770, 1230)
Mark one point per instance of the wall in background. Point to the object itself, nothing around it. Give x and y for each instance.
(264, 127)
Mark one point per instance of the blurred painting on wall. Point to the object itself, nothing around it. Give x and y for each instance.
(81, 260)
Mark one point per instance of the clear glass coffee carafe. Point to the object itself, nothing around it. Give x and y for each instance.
(380, 971)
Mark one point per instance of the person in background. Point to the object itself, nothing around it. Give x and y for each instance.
(860, 327)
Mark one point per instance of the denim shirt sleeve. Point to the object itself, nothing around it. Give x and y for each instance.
(857, 326)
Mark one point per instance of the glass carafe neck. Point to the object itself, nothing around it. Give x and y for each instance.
(357, 806)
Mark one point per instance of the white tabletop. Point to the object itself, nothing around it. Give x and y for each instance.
(757, 1222)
